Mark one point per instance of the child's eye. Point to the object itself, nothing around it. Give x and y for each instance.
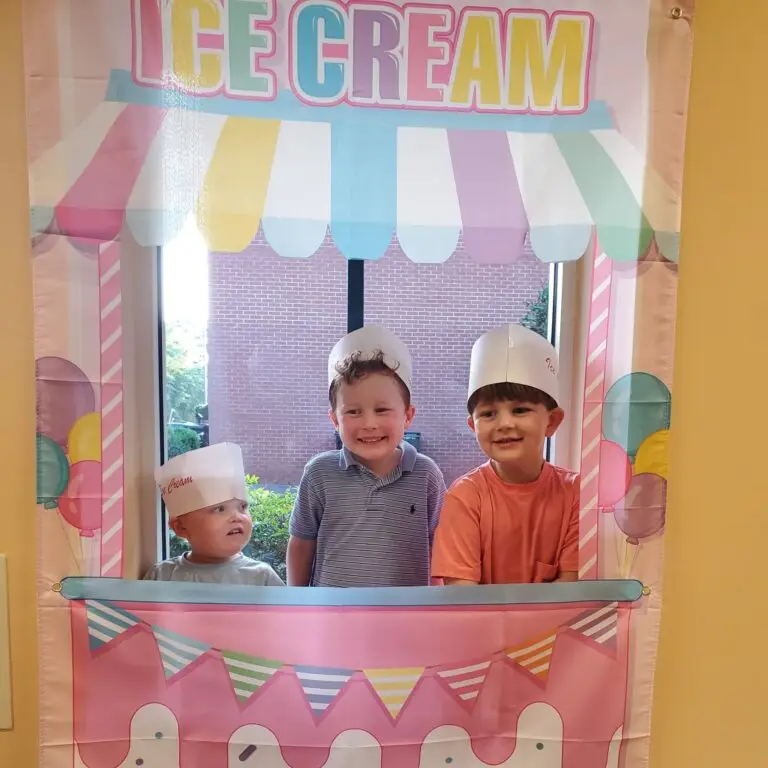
(244, 507)
(383, 410)
(521, 411)
(219, 509)
(485, 414)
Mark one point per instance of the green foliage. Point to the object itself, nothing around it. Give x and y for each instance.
(184, 374)
(537, 313)
(181, 440)
(270, 512)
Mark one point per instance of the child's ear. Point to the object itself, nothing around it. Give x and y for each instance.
(556, 417)
(410, 415)
(471, 422)
(332, 416)
(177, 526)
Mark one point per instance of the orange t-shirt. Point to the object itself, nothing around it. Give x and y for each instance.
(494, 532)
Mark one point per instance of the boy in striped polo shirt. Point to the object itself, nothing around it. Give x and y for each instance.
(365, 515)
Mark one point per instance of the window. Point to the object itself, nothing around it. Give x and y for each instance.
(247, 337)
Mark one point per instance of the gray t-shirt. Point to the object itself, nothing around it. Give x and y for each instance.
(239, 570)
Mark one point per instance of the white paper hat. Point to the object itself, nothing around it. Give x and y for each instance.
(368, 341)
(515, 354)
(201, 478)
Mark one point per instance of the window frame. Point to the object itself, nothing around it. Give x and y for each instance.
(563, 304)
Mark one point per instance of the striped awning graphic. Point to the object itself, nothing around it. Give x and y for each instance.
(149, 159)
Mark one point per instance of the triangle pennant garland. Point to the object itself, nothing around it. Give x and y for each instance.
(106, 622)
(394, 686)
(465, 682)
(321, 685)
(177, 652)
(249, 673)
(534, 655)
(599, 625)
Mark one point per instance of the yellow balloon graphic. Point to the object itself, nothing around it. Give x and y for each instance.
(653, 455)
(84, 442)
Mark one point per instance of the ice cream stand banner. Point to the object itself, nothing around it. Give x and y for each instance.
(554, 128)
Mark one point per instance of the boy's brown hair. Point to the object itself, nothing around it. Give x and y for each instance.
(506, 391)
(354, 367)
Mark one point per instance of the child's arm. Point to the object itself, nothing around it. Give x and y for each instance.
(300, 558)
(456, 553)
(568, 569)
(305, 523)
(435, 495)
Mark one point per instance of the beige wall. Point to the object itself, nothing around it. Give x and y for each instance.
(711, 679)
(18, 748)
(709, 696)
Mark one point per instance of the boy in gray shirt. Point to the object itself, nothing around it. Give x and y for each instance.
(206, 497)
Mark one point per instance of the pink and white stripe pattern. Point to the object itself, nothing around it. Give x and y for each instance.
(110, 335)
(465, 682)
(601, 625)
(594, 394)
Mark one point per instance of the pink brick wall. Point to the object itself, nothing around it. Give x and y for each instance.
(274, 320)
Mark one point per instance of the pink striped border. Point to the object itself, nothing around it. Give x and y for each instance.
(592, 422)
(112, 447)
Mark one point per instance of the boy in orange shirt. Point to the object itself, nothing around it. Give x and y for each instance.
(515, 519)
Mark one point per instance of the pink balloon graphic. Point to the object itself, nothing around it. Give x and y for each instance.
(642, 512)
(615, 475)
(64, 394)
(80, 504)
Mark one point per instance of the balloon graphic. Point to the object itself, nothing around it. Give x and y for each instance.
(641, 513)
(52, 472)
(80, 504)
(635, 407)
(615, 474)
(653, 455)
(64, 394)
(84, 441)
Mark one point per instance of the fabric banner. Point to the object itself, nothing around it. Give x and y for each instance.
(374, 687)
(553, 127)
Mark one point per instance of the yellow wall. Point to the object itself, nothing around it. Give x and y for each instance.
(711, 680)
(711, 676)
(18, 748)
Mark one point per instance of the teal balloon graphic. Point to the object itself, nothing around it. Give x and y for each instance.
(52, 472)
(635, 407)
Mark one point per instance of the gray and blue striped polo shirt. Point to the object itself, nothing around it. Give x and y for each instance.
(370, 531)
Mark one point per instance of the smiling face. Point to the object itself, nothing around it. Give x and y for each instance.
(216, 533)
(371, 414)
(512, 433)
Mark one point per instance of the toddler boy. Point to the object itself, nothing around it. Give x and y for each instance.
(206, 497)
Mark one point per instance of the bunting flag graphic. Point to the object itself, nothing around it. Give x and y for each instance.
(394, 686)
(534, 655)
(106, 622)
(600, 625)
(465, 682)
(321, 685)
(249, 673)
(177, 652)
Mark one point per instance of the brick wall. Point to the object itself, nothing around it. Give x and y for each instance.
(274, 320)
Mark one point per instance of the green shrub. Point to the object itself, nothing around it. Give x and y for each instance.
(182, 440)
(270, 512)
